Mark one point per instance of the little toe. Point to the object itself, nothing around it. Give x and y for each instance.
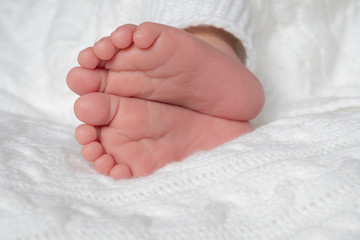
(120, 171)
(146, 34)
(81, 80)
(104, 49)
(96, 108)
(122, 37)
(137, 157)
(153, 46)
(92, 151)
(85, 134)
(104, 164)
(88, 59)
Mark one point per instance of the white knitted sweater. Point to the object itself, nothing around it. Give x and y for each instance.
(297, 176)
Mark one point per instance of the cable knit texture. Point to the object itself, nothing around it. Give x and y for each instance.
(297, 176)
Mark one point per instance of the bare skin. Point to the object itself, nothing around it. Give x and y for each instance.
(153, 94)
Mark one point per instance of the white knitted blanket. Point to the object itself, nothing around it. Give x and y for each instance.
(297, 176)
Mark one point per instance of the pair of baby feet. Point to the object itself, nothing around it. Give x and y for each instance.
(153, 94)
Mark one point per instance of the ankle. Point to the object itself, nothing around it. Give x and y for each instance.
(220, 39)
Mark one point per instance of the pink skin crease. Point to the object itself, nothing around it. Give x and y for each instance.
(153, 94)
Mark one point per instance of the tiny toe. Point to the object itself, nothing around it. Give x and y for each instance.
(146, 34)
(81, 80)
(96, 108)
(104, 164)
(138, 158)
(120, 171)
(122, 37)
(88, 59)
(104, 49)
(85, 134)
(92, 151)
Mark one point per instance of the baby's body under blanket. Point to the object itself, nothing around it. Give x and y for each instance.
(297, 176)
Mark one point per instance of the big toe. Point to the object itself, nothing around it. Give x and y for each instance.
(96, 108)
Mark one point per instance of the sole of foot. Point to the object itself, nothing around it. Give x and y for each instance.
(129, 137)
(165, 64)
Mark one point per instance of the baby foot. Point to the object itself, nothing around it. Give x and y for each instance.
(130, 137)
(168, 65)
